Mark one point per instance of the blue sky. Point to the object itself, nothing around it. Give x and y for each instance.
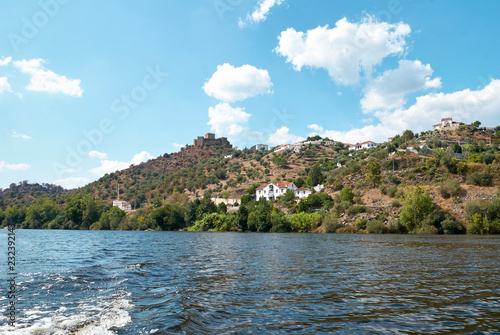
(89, 87)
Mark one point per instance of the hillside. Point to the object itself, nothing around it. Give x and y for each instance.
(453, 167)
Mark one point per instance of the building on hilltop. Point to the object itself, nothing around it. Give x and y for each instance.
(360, 146)
(447, 123)
(209, 141)
(261, 147)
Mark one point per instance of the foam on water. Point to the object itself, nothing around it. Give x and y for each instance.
(98, 318)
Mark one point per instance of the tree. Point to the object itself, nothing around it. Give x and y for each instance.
(346, 194)
(222, 208)
(476, 124)
(242, 218)
(40, 214)
(315, 175)
(373, 172)
(417, 206)
(260, 218)
(280, 161)
(288, 198)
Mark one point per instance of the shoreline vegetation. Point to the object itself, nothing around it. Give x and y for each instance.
(450, 186)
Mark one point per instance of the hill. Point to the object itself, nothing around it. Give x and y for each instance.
(451, 168)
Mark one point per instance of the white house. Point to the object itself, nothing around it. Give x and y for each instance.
(284, 147)
(318, 187)
(446, 122)
(363, 145)
(273, 191)
(302, 192)
(328, 143)
(123, 205)
(261, 147)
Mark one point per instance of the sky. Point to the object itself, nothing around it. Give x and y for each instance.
(91, 87)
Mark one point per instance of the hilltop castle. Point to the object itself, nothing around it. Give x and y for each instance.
(209, 140)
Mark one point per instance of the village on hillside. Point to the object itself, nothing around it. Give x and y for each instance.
(274, 190)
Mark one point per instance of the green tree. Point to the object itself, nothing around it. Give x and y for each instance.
(40, 214)
(315, 176)
(373, 173)
(346, 194)
(417, 206)
(280, 161)
(288, 198)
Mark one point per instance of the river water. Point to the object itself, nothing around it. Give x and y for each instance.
(115, 282)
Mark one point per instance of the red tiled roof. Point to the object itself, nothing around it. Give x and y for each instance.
(446, 118)
(302, 189)
(284, 185)
(439, 124)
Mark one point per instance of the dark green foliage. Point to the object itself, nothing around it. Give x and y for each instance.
(242, 218)
(259, 219)
(168, 217)
(315, 176)
(444, 222)
(222, 208)
(288, 198)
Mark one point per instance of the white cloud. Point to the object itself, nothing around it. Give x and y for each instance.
(4, 85)
(260, 12)
(177, 145)
(108, 166)
(14, 167)
(345, 51)
(388, 91)
(230, 84)
(97, 154)
(283, 136)
(5, 61)
(465, 106)
(72, 182)
(43, 80)
(230, 122)
(15, 134)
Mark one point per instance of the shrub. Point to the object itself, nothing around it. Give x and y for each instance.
(391, 190)
(355, 210)
(480, 179)
(331, 223)
(376, 227)
(360, 224)
(450, 188)
(395, 203)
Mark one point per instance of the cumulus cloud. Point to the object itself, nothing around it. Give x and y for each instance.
(388, 91)
(15, 134)
(347, 51)
(43, 80)
(72, 182)
(97, 154)
(4, 85)
(13, 167)
(230, 84)
(5, 61)
(260, 12)
(108, 166)
(283, 136)
(231, 122)
(465, 106)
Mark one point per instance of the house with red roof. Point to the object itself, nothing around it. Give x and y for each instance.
(446, 123)
(273, 191)
(363, 145)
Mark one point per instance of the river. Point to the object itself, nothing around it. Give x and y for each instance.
(119, 282)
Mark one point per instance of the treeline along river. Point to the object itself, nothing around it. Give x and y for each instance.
(119, 282)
